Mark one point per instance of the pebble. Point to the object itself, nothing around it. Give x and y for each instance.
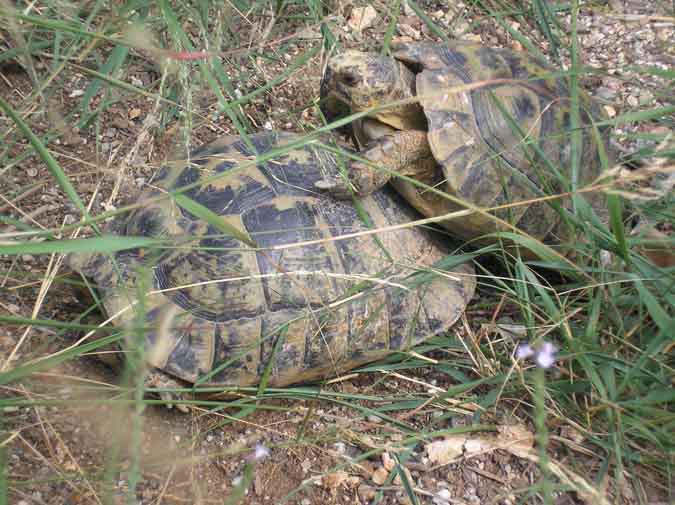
(444, 494)
(379, 476)
(442, 497)
(366, 492)
(645, 97)
(605, 93)
(388, 461)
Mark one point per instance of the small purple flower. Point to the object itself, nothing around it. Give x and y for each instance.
(261, 452)
(524, 351)
(544, 355)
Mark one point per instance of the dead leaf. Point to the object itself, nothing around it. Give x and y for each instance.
(379, 476)
(366, 492)
(517, 440)
(572, 434)
(409, 31)
(333, 480)
(515, 436)
(506, 330)
(479, 445)
(442, 452)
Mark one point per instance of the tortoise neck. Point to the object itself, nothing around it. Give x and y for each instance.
(407, 116)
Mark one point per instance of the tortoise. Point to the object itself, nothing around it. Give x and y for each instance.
(226, 308)
(484, 144)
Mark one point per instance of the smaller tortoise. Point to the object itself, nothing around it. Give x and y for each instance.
(483, 145)
(223, 308)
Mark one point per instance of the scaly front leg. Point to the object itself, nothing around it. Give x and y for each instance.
(406, 152)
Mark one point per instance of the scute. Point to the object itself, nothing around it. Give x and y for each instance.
(227, 310)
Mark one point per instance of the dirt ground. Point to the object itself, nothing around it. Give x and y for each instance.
(319, 451)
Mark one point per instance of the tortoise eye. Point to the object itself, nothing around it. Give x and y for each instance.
(349, 78)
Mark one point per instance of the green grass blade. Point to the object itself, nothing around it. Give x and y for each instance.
(292, 68)
(34, 48)
(50, 323)
(22, 371)
(537, 247)
(665, 322)
(639, 116)
(545, 19)
(391, 27)
(576, 134)
(102, 244)
(213, 219)
(110, 68)
(616, 224)
(427, 21)
(53, 166)
(524, 41)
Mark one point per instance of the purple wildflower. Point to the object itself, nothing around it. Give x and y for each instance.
(544, 355)
(261, 452)
(524, 351)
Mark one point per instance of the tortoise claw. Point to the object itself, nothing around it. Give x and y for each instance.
(171, 399)
(156, 378)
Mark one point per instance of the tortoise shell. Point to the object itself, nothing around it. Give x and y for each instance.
(225, 305)
(498, 141)
(490, 141)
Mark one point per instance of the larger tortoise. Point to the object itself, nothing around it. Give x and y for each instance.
(223, 307)
(488, 126)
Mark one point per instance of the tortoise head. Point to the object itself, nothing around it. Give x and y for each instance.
(359, 80)
(355, 81)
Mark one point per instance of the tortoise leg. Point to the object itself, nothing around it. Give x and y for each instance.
(156, 378)
(402, 151)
